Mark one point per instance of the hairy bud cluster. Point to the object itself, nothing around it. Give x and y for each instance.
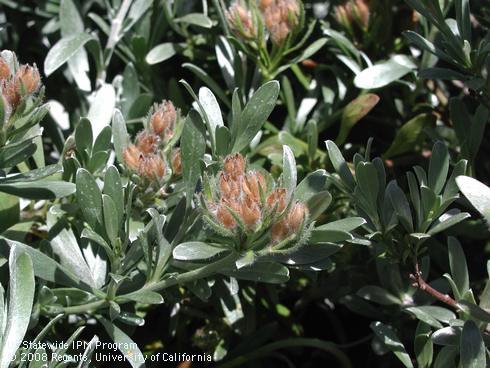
(281, 17)
(240, 20)
(163, 120)
(18, 84)
(145, 156)
(243, 202)
(352, 13)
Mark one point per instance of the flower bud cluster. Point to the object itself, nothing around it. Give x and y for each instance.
(145, 157)
(240, 20)
(17, 84)
(243, 203)
(353, 13)
(281, 18)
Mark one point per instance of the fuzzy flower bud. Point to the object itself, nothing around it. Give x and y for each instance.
(240, 21)
(354, 12)
(277, 198)
(163, 120)
(147, 142)
(290, 223)
(234, 165)
(252, 184)
(147, 165)
(4, 70)
(152, 167)
(177, 162)
(242, 202)
(281, 18)
(25, 82)
(132, 157)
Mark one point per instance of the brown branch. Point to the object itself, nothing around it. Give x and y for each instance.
(420, 283)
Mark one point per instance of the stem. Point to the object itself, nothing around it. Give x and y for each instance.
(198, 273)
(183, 278)
(116, 25)
(420, 283)
(83, 308)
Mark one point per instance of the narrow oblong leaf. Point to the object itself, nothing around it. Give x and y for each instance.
(195, 250)
(457, 263)
(64, 49)
(124, 344)
(354, 112)
(193, 147)
(160, 53)
(289, 175)
(255, 113)
(477, 193)
(438, 167)
(21, 297)
(472, 348)
(392, 342)
(384, 73)
(89, 197)
(339, 164)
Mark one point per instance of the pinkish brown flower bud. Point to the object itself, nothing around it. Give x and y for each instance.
(296, 216)
(10, 93)
(163, 120)
(152, 166)
(252, 184)
(277, 198)
(264, 4)
(27, 80)
(355, 12)
(279, 231)
(240, 20)
(177, 162)
(281, 17)
(291, 223)
(147, 142)
(4, 70)
(234, 165)
(132, 157)
(229, 186)
(225, 217)
(249, 212)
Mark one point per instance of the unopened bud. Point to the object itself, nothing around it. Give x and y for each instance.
(250, 212)
(177, 162)
(163, 120)
(252, 184)
(355, 12)
(147, 142)
(264, 4)
(225, 217)
(240, 20)
(132, 157)
(10, 93)
(4, 70)
(234, 165)
(291, 223)
(229, 186)
(277, 198)
(27, 80)
(296, 216)
(281, 18)
(152, 166)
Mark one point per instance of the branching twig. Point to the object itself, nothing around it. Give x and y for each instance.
(420, 283)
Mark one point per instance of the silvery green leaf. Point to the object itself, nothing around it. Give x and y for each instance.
(21, 297)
